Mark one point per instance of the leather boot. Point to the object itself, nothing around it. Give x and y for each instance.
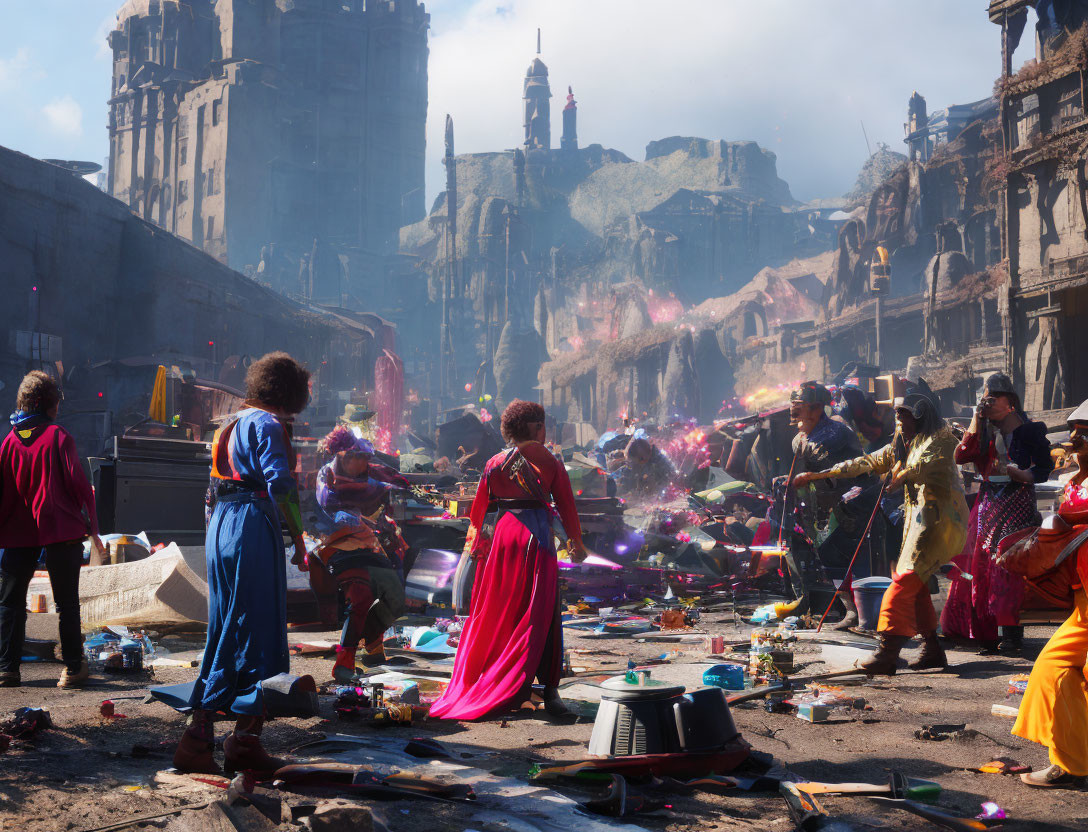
(933, 657)
(851, 619)
(244, 752)
(1012, 641)
(195, 751)
(374, 655)
(882, 662)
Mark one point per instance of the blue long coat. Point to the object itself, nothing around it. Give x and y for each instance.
(247, 572)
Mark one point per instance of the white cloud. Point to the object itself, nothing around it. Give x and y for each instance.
(796, 76)
(64, 116)
(14, 69)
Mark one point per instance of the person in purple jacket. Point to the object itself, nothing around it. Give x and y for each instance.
(45, 503)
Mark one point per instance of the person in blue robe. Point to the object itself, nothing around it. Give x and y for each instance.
(253, 493)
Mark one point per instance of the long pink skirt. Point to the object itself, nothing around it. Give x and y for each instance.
(512, 633)
(992, 599)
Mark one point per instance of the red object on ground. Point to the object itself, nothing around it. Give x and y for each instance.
(108, 710)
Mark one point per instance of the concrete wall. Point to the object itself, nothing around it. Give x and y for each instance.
(101, 285)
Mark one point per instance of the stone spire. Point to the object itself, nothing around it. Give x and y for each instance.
(570, 123)
(538, 122)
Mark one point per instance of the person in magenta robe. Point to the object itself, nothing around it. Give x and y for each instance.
(513, 632)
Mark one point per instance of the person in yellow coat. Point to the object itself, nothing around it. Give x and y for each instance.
(1054, 711)
(920, 458)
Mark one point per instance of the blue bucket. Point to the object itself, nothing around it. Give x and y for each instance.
(868, 595)
(728, 676)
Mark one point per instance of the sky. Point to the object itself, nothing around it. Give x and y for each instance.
(798, 76)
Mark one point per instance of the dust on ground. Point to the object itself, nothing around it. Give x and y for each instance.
(89, 771)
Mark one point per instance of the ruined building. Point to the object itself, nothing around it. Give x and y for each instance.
(987, 224)
(549, 239)
(285, 133)
(1044, 133)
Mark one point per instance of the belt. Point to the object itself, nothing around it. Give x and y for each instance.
(231, 491)
(511, 505)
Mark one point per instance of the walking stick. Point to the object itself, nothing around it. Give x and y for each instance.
(786, 498)
(865, 534)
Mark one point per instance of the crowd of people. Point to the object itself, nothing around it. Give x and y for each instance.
(847, 471)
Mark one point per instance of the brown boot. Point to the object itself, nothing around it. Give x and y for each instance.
(195, 751)
(244, 752)
(882, 662)
(933, 657)
(851, 618)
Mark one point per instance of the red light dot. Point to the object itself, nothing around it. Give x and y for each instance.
(100, 394)
(211, 343)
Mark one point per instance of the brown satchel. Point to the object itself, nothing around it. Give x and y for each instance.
(1045, 559)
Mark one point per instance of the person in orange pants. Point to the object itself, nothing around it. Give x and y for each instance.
(1054, 711)
(907, 608)
(920, 458)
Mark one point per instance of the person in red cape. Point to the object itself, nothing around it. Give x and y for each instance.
(513, 632)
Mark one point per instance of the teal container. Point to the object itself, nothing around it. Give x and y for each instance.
(727, 676)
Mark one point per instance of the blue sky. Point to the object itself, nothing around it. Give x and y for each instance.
(798, 76)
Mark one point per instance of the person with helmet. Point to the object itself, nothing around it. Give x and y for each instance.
(362, 556)
(820, 443)
(920, 459)
(1011, 454)
(254, 492)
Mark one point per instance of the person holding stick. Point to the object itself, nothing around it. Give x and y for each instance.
(820, 443)
(921, 459)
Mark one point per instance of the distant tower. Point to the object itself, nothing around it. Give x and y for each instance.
(917, 139)
(570, 123)
(538, 122)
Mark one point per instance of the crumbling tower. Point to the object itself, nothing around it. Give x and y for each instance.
(570, 123)
(537, 97)
(917, 129)
(251, 125)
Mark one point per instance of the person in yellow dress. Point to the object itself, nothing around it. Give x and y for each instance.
(1054, 711)
(920, 458)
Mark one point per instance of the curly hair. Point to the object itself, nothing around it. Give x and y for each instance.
(38, 393)
(277, 381)
(518, 417)
(343, 438)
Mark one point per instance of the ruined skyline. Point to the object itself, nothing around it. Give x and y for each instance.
(631, 90)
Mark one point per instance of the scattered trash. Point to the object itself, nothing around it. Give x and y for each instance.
(941, 732)
(1003, 765)
(1017, 685)
(1004, 710)
(39, 650)
(109, 711)
(25, 723)
(621, 801)
(812, 712)
(991, 811)
(118, 650)
(727, 676)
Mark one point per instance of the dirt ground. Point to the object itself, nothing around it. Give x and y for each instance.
(88, 771)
